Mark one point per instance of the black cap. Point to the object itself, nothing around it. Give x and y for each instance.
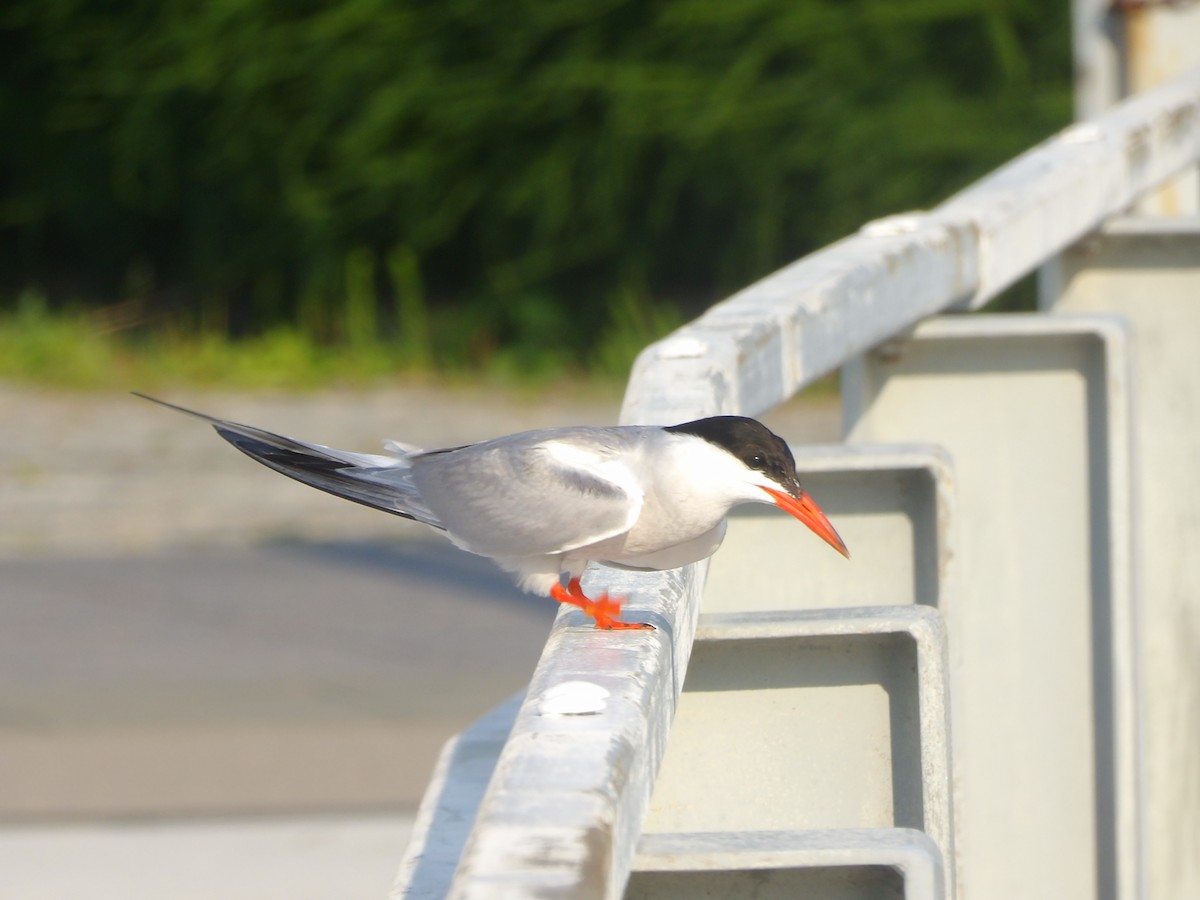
(749, 441)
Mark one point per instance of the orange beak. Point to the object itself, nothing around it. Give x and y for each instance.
(804, 509)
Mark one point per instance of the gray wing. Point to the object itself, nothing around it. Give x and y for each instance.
(534, 493)
(381, 482)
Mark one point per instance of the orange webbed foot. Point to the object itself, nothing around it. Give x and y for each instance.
(605, 609)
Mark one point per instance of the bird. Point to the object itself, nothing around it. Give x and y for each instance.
(542, 504)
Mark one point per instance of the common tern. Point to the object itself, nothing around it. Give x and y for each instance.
(544, 503)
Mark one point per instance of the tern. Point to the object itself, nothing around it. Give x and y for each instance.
(545, 503)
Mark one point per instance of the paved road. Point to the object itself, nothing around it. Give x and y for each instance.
(328, 857)
(282, 677)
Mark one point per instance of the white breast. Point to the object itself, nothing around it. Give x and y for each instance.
(688, 487)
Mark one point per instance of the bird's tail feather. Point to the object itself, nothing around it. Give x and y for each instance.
(381, 482)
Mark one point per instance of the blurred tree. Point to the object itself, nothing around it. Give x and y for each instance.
(242, 163)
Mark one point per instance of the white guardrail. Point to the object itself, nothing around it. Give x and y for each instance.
(557, 806)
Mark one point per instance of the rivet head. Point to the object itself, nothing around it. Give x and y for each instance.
(573, 698)
(682, 348)
(893, 226)
(1081, 133)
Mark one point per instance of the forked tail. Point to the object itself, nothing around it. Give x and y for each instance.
(380, 482)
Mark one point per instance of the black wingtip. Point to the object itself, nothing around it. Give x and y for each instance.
(310, 464)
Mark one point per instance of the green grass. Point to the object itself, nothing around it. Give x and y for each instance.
(82, 351)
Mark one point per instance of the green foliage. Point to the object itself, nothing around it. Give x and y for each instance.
(414, 335)
(471, 183)
(635, 321)
(59, 349)
(74, 349)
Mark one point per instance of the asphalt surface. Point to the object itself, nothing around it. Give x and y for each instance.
(285, 677)
(326, 857)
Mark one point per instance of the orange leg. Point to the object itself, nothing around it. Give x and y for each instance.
(604, 609)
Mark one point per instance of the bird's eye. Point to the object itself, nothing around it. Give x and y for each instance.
(756, 461)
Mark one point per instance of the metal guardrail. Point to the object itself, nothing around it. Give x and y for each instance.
(759, 347)
(1034, 412)
(567, 794)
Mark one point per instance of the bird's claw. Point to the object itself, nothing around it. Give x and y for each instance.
(605, 609)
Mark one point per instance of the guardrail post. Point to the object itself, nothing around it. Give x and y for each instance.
(450, 804)
(1126, 47)
(1148, 270)
(1033, 412)
(802, 679)
(826, 863)
(807, 721)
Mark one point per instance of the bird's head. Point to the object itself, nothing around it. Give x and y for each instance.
(767, 468)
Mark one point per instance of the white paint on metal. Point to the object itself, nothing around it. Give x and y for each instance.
(891, 226)
(1034, 410)
(1097, 37)
(450, 804)
(573, 698)
(1126, 48)
(769, 340)
(1161, 41)
(830, 718)
(1081, 133)
(682, 348)
(784, 864)
(1148, 271)
(1052, 195)
(562, 813)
